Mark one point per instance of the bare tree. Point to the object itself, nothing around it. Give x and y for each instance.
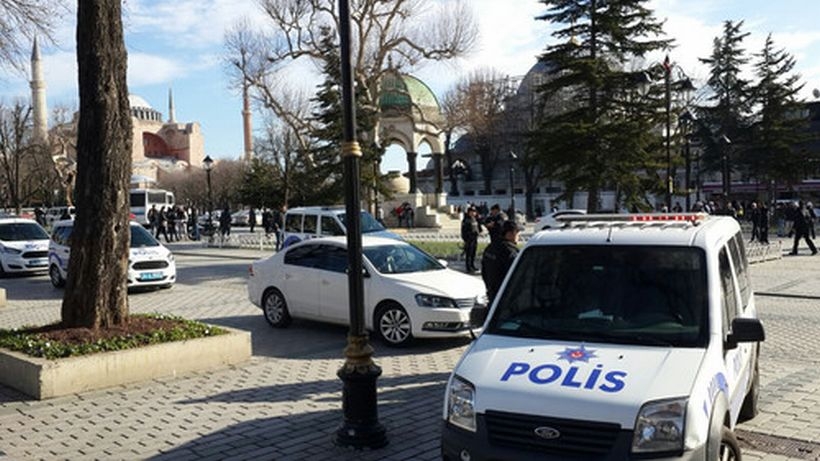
(20, 22)
(96, 293)
(476, 105)
(25, 166)
(389, 37)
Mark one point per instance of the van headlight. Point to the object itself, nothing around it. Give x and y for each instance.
(660, 426)
(434, 301)
(461, 404)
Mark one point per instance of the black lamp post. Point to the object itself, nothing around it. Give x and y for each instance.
(513, 158)
(683, 84)
(726, 162)
(360, 427)
(687, 120)
(208, 165)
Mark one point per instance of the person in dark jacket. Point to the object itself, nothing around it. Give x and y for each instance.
(801, 227)
(493, 222)
(470, 229)
(499, 256)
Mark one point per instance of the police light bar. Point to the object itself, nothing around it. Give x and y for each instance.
(694, 218)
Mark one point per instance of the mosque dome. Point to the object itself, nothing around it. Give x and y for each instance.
(141, 110)
(402, 92)
(135, 101)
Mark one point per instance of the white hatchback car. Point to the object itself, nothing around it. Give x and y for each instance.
(615, 337)
(150, 264)
(23, 246)
(408, 293)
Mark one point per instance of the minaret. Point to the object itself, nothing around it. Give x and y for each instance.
(171, 116)
(38, 96)
(246, 121)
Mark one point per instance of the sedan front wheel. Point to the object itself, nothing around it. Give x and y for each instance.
(392, 325)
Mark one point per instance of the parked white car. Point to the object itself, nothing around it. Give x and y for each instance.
(408, 293)
(23, 246)
(551, 221)
(150, 263)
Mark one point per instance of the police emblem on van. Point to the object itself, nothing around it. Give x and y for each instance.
(547, 433)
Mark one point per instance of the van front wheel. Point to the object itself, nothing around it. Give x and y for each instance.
(729, 448)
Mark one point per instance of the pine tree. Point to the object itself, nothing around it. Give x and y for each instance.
(603, 138)
(323, 173)
(779, 126)
(724, 122)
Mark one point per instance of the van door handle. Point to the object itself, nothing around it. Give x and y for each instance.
(325, 282)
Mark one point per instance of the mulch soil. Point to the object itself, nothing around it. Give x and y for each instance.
(135, 326)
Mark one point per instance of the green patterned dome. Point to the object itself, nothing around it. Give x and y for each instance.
(400, 90)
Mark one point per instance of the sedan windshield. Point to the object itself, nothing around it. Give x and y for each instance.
(142, 238)
(22, 231)
(400, 259)
(613, 294)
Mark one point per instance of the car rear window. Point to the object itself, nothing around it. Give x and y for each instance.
(652, 295)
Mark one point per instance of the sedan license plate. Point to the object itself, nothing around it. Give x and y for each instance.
(151, 276)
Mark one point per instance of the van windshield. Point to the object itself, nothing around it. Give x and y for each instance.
(648, 295)
(369, 223)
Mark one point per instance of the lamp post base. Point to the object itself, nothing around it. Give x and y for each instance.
(361, 427)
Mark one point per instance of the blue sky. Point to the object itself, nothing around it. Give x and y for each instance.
(178, 45)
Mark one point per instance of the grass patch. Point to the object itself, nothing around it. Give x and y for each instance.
(446, 250)
(54, 341)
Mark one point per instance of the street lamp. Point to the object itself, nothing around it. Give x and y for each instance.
(683, 84)
(513, 158)
(725, 143)
(208, 165)
(360, 427)
(687, 120)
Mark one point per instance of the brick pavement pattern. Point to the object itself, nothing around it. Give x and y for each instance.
(285, 403)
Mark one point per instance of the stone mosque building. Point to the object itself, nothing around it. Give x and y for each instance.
(158, 145)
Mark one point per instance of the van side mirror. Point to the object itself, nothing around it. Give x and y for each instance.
(745, 331)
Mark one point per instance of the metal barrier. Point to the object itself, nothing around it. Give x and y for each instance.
(755, 252)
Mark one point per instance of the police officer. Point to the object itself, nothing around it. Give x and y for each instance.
(494, 221)
(470, 229)
(499, 256)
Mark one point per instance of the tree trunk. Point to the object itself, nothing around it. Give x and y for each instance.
(96, 293)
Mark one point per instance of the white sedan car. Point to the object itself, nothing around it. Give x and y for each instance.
(551, 220)
(408, 293)
(23, 246)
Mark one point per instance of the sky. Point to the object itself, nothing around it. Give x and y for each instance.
(179, 46)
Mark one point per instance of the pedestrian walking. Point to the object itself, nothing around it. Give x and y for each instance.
(470, 230)
(801, 218)
(763, 224)
(225, 222)
(153, 219)
(812, 218)
(754, 218)
(161, 219)
(251, 218)
(499, 257)
(171, 220)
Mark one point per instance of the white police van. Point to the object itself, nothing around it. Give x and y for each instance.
(614, 337)
(326, 221)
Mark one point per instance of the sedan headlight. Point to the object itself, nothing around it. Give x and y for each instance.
(10, 250)
(434, 301)
(461, 404)
(660, 426)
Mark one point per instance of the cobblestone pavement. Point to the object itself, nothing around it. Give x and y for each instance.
(285, 403)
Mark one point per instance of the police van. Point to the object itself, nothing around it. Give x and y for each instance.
(326, 221)
(613, 337)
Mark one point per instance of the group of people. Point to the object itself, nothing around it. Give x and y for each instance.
(170, 222)
(500, 254)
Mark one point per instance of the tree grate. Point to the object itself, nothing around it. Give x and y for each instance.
(776, 445)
